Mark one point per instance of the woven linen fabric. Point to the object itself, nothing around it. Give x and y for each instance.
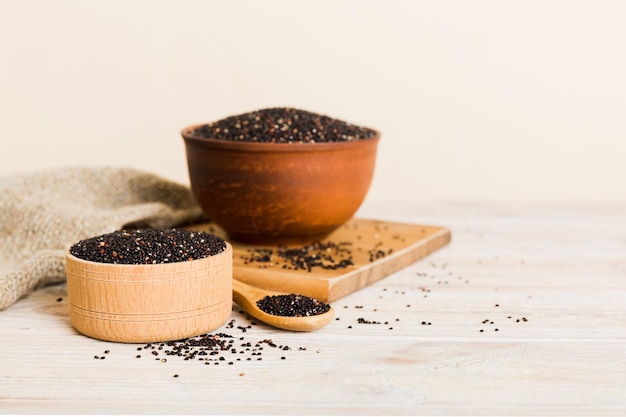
(43, 214)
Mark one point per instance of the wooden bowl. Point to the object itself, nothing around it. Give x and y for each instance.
(149, 303)
(279, 193)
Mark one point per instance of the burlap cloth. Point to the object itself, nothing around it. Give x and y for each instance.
(43, 214)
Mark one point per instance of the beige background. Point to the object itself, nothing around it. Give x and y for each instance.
(475, 99)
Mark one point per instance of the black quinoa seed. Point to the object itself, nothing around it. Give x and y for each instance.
(292, 305)
(149, 246)
(325, 255)
(283, 125)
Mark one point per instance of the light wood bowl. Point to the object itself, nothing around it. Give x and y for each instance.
(149, 303)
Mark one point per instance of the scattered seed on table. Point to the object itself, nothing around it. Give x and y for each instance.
(361, 320)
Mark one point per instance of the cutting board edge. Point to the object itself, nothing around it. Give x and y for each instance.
(347, 284)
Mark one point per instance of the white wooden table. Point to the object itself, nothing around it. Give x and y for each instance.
(523, 313)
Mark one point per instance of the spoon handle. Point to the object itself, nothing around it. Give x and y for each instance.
(242, 294)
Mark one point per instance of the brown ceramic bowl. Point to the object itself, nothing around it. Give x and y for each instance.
(279, 193)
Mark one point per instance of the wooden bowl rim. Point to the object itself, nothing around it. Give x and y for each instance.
(271, 146)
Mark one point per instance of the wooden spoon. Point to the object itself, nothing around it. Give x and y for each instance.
(246, 296)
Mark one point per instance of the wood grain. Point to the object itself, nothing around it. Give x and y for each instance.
(148, 303)
(377, 249)
(562, 267)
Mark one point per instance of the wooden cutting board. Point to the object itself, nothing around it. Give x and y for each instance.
(375, 249)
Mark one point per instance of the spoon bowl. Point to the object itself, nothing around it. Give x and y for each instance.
(247, 296)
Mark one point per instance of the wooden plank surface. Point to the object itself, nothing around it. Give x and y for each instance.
(375, 248)
(561, 267)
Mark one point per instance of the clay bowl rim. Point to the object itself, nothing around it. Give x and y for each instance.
(270, 146)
